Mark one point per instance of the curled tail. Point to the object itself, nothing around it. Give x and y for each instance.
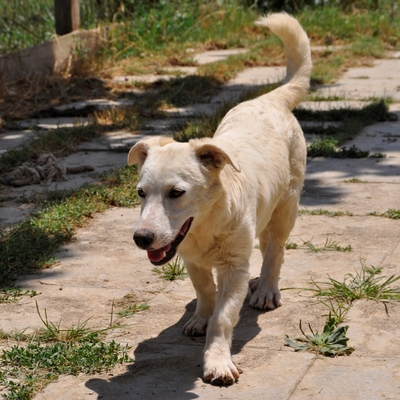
(298, 55)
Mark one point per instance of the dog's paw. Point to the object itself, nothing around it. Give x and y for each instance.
(262, 297)
(196, 326)
(220, 371)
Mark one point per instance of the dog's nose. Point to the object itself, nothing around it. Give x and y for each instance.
(143, 238)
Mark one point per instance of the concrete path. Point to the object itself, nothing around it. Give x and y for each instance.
(103, 265)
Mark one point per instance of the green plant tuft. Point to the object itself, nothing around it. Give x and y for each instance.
(331, 342)
(14, 293)
(364, 284)
(330, 245)
(172, 271)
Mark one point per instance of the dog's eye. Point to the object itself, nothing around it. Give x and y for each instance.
(174, 193)
(140, 193)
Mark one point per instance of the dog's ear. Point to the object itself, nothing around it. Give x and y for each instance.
(211, 154)
(138, 153)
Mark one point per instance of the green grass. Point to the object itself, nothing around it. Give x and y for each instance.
(31, 244)
(330, 245)
(328, 213)
(367, 284)
(40, 358)
(172, 271)
(132, 310)
(24, 23)
(355, 180)
(391, 213)
(14, 293)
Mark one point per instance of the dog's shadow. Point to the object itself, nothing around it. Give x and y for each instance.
(169, 366)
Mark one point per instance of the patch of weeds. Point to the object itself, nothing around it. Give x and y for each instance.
(321, 211)
(355, 180)
(172, 271)
(14, 293)
(364, 284)
(118, 118)
(26, 369)
(133, 309)
(332, 341)
(52, 331)
(328, 147)
(318, 97)
(338, 297)
(391, 213)
(338, 309)
(291, 245)
(17, 336)
(30, 245)
(329, 245)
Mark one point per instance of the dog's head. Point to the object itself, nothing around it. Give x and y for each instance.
(178, 183)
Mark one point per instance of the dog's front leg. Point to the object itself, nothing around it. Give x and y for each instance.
(219, 368)
(204, 285)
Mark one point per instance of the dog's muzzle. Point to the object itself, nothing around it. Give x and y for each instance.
(144, 239)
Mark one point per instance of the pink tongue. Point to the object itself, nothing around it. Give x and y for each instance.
(155, 255)
(158, 255)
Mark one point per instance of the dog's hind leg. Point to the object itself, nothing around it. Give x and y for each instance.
(264, 290)
(204, 285)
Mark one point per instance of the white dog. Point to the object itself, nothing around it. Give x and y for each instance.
(212, 196)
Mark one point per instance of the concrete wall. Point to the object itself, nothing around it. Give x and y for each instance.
(47, 58)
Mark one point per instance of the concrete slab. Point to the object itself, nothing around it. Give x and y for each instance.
(216, 55)
(258, 76)
(151, 78)
(371, 169)
(54, 123)
(374, 329)
(109, 141)
(352, 377)
(379, 138)
(332, 105)
(381, 80)
(146, 78)
(372, 240)
(359, 198)
(99, 104)
(12, 139)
